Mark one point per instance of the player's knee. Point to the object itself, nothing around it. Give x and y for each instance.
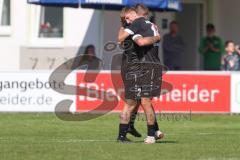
(146, 101)
(131, 103)
(124, 117)
(136, 108)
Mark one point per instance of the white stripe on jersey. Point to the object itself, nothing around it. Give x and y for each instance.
(153, 28)
(129, 31)
(155, 31)
(136, 36)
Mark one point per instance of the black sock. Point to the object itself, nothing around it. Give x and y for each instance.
(132, 119)
(156, 126)
(151, 130)
(123, 130)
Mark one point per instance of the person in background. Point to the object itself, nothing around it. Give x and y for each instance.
(90, 50)
(231, 60)
(211, 47)
(88, 59)
(173, 47)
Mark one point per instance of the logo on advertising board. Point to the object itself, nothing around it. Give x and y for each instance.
(93, 98)
(196, 93)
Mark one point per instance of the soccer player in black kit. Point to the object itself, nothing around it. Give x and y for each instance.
(140, 72)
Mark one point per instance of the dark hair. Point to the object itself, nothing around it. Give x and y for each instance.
(210, 26)
(141, 9)
(174, 22)
(227, 42)
(87, 48)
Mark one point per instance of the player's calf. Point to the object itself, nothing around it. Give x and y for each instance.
(151, 119)
(131, 129)
(124, 121)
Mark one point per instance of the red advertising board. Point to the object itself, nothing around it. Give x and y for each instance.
(199, 93)
(196, 93)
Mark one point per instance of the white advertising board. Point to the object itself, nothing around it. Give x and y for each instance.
(235, 92)
(31, 91)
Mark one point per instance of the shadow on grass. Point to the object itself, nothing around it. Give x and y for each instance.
(167, 142)
(159, 142)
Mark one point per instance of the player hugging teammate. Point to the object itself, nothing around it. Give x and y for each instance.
(141, 72)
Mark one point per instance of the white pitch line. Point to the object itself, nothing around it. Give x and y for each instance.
(65, 140)
(81, 140)
(107, 140)
(203, 134)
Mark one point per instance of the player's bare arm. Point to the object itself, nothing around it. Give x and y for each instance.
(145, 41)
(122, 35)
(141, 41)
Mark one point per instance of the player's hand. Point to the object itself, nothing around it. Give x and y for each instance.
(157, 32)
(158, 37)
(121, 29)
(156, 29)
(231, 63)
(237, 48)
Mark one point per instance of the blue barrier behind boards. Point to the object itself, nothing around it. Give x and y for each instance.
(174, 5)
(60, 3)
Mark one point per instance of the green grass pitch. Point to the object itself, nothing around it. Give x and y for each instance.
(45, 137)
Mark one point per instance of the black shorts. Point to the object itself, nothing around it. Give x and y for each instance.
(141, 79)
